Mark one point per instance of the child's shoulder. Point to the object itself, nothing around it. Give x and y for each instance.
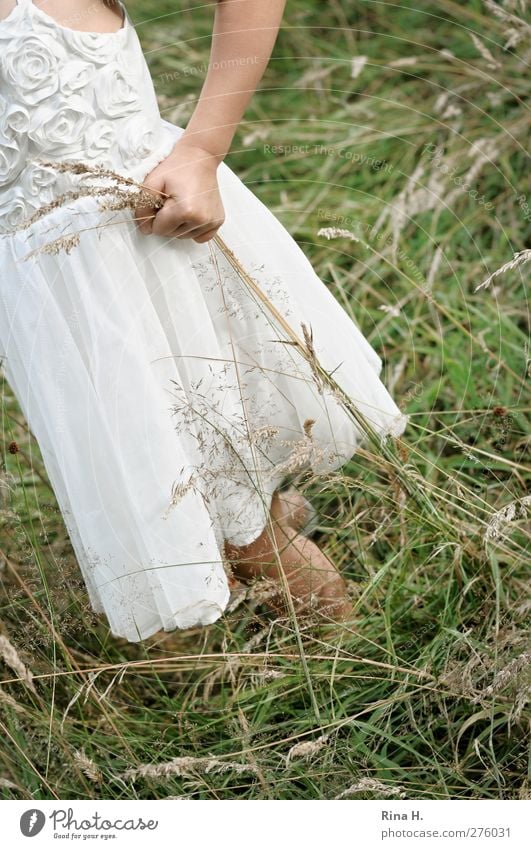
(6, 7)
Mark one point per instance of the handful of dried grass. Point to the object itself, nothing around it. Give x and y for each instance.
(120, 192)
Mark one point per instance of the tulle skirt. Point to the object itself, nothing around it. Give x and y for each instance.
(167, 403)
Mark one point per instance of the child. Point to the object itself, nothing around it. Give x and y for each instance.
(168, 410)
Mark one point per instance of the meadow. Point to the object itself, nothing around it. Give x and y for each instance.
(391, 141)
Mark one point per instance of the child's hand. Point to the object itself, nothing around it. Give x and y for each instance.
(194, 210)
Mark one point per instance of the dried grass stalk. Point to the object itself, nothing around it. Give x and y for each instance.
(307, 749)
(11, 658)
(509, 675)
(187, 767)
(88, 766)
(9, 701)
(372, 785)
(500, 520)
(520, 258)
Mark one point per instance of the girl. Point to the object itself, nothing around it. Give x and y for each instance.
(168, 408)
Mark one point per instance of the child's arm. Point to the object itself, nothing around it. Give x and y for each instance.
(243, 37)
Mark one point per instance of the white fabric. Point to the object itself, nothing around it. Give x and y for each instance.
(142, 362)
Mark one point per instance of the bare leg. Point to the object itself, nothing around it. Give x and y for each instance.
(313, 579)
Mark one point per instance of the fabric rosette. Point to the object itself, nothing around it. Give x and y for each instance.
(118, 91)
(92, 47)
(38, 183)
(75, 76)
(31, 64)
(14, 122)
(138, 140)
(14, 209)
(100, 137)
(12, 158)
(60, 129)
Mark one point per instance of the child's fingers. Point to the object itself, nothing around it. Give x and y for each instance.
(188, 231)
(203, 234)
(145, 215)
(205, 237)
(184, 231)
(178, 218)
(172, 215)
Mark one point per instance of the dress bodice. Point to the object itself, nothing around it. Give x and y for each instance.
(71, 95)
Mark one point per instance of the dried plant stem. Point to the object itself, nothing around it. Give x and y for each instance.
(284, 580)
(389, 453)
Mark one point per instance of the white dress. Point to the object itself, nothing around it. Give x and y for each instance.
(166, 405)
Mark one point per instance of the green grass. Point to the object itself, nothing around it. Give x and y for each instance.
(426, 693)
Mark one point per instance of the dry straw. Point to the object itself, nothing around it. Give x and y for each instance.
(520, 258)
(88, 766)
(510, 675)
(501, 520)
(11, 658)
(307, 749)
(372, 785)
(186, 767)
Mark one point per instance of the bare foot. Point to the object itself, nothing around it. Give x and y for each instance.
(314, 582)
(296, 510)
